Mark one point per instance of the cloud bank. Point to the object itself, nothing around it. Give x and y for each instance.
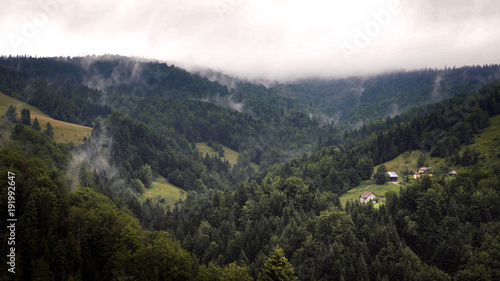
(263, 39)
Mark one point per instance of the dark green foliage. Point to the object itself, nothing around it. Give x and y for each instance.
(11, 114)
(145, 175)
(469, 157)
(49, 130)
(81, 235)
(141, 152)
(434, 229)
(275, 123)
(356, 100)
(36, 126)
(42, 146)
(381, 175)
(365, 168)
(277, 267)
(447, 223)
(138, 186)
(54, 86)
(25, 117)
(230, 272)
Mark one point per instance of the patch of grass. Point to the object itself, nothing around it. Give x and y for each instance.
(408, 162)
(368, 185)
(229, 154)
(161, 188)
(487, 142)
(63, 131)
(255, 167)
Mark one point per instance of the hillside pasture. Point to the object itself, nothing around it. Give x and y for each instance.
(368, 185)
(161, 188)
(487, 142)
(63, 131)
(229, 154)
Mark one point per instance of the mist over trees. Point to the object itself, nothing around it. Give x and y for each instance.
(277, 212)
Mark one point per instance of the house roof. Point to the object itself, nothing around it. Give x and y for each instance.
(423, 169)
(392, 174)
(366, 194)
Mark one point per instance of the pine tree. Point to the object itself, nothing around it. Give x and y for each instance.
(277, 267)
(36, 125)
(11, 114)
(25, 117)
(50, 130)
(362, 268)
(41, 270)
(421, 161)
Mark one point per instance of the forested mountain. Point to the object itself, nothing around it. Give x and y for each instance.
(81, 214)
(266, 124)
(291, 203)
(356, 100)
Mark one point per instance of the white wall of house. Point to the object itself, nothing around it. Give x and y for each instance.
(369, 199)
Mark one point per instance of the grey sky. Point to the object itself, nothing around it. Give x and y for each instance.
(270, 39)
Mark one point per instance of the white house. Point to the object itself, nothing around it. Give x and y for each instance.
(367, 196)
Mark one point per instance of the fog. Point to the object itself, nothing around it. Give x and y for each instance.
(270, 40)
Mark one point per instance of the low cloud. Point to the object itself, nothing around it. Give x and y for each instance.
(437, 88)
(227, 101)
(270, 40)
(94, 156)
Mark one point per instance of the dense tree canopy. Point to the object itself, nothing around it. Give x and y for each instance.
(82, 214)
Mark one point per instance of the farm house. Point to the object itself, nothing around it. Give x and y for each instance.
(367, 196)
(422, 171)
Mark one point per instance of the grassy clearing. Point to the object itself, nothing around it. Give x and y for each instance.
(487, 142)
(229, 154)
(161, 188)
(408, 162)
(63, 131)
(368, 185)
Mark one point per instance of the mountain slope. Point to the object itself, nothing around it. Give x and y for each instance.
(63, 131)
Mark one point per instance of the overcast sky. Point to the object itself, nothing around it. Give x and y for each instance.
(271, 39)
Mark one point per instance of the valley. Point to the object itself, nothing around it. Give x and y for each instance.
(194, 180)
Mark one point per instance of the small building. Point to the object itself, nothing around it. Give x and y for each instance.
(423, 171)
(392, 176)
(452, 173)
(367, 196)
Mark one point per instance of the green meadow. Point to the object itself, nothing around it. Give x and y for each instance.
(162, 190)
(229, 154)
(487, 143)
(63, 131)
(368, 185)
